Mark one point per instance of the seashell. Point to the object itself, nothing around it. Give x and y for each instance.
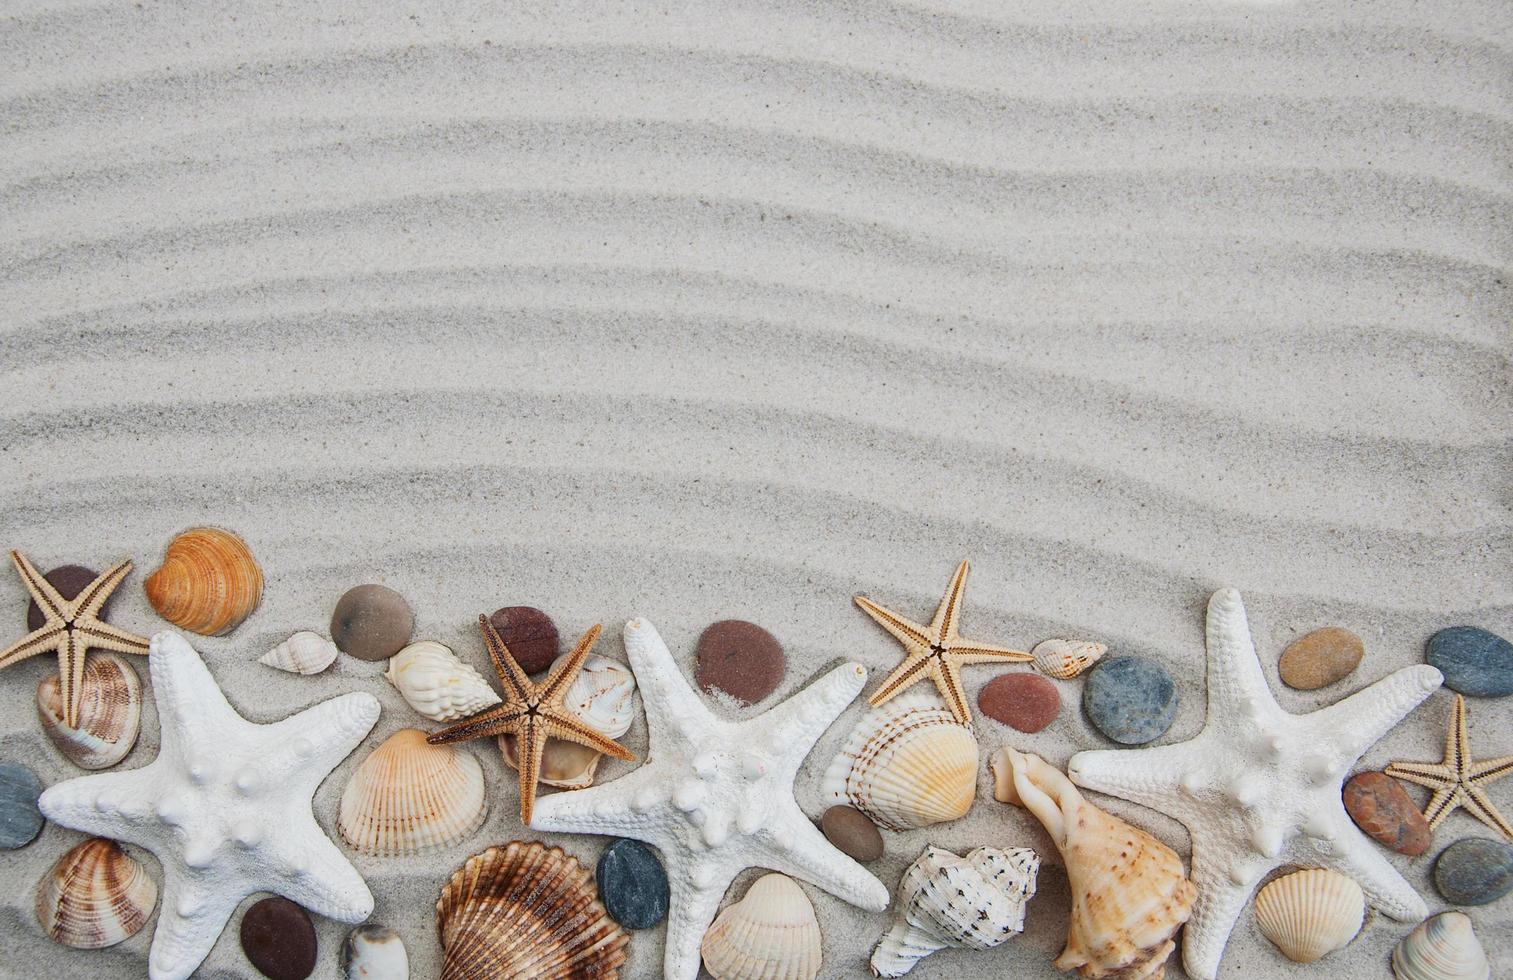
(409, 795)
(208, 583)
(771, 934)
(1129, 894)
(304, 652)
(603, 695)
(526, 910)
(972, 902)
(97, 895)
(438, 685)
(907, 764)
(1442, 947)
(1065, 659)
(110, 713)
(374, 953)
(1309, 914)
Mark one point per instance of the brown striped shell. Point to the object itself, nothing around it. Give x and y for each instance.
(208, 583)
(95, 896)
(110, 713)
(409, 795)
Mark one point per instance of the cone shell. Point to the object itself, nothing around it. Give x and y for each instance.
(771, 934)
(409, 795)
(1309, 914)
(603, 695)
(95, 896)
(110, 713)
(304, 652)
(907, 764)
(208, 583)
(526, 910)
(438, 685)
(1065, 659)
(1443, 947)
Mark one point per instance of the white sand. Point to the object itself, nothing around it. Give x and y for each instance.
(734, 310)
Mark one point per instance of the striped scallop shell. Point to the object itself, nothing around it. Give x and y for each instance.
(771, 934)
(1065, 659)
(409, 795)
(1442, 947)
(110, 713)
(208, 583)
(438, 685)
(305, 652)
(95, 896)
(1309, 914)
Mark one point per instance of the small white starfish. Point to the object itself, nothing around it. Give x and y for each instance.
(225, 807)
(716, 796)
(1260, 787)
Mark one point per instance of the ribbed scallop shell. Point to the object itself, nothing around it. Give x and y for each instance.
(908, 763)
(603, 695)
(1443, 947)
(208, 583)
(1065, 659)
(526, 910)
(1310, 913)
(771, 934)
(95, 896)
(438, 685)
(409, 795)
(110, 713)
(305, 652)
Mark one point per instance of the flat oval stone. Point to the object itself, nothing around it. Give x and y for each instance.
(1320, 658)
(1473, 661)
(739, 659)
(1382, 808)
(1474, 871)
(529, 633)
(20, 820)
(849, 830)
(69, 580)
(1131, 700)
(371, 622)
(632, 884)
(279, 939)
(1027, 702)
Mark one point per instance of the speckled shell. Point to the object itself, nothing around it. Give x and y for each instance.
(1442, 947)
(374, 953)
(1065, 659)
(603, 695)
(304, 652)
(770, 934)
(208, 583)
(110, 713)
(409, 795)
(1311, 913)
(95, 896)
(438, 685)
(526, 910)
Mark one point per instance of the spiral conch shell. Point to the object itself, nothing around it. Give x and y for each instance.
(110, 713)
(1310, 913)
(1442, 947)
(208, 583)
(1065, 659)
(409, 795)
(603, 695)
(1129, 894)
(438, 685)
(95, 896)
(771, 934)
(305, 652)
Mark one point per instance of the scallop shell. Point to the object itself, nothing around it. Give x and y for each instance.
(1309, 914)
(771, 934)
(374, 953)
(526, 910)
(208, 583)
(95, 896)
(304, 652)
(110, 713)
(1442, 947)
(1065, 659)
(438, 685)
(908, 763)
(409, 795)
(603, 695)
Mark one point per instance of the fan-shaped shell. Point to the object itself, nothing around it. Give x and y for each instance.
(95, 896)
(1310, 913)
(208, 583)
(438, 685)
(110, 713)
(409, 795)
(603, 695)
(908, 763)
(771, 934)
(526, 910)
(305, 652)
(1065, 659)
(1442, 947)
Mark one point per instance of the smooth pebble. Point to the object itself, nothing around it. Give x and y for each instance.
(1320, 658)
(20, 820)
(530, 635)
(371, 622)
(69, 580)
(1027, 702)
(852, 833)
(740, 659)
(1130, 699)
(1473, 661)
(1474, 871)
(279, 939)
(374, 953)
(632, 884)
(1382, 808)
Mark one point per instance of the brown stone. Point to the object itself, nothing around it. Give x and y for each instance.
(739, 659)
(849, 830)
(530, 635)
(1320, 658)
(279, 939)
(1024, 701)
(1381, 807)
(69, 580)
(371, 622)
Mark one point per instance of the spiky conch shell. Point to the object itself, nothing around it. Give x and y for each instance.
(770, 934)
(305, 652)
(437, 684)
(1129, 893)
(97, 895)
(1310, 913)
(208, 582)
(1442, 947)
(409, 795)
(908, 763)
(603, 695)
(1065, 659)
(526, 910)
(110, 713)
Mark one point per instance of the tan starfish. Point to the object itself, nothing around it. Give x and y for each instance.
(1458, 781)
(71, 628)
(936, 651)
(532, 713)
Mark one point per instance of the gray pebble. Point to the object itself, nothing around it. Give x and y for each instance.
(20, 820)
(632, 884)
(1474, 871)
(1473, 661)
(1131, 700)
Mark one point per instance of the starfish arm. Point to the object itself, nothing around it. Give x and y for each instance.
(530, 742)
(913, 636)
(1445, 801)
(503, 719)
(100, 635)
(305, 747)
(626, 807)
(1489, 770)
(88, 603)
(1431, 774)
(1480, 806)
(1457, 744)
(948, 613)
(1353, 725)
(193, 714)
(972, 652)
(71, 676)
(47, 598)
(665, 695)
(692, 909)
(516, 684)
(44, 640)
(1235, 681)
(796, 848)
(565, 671)
(109, 804)
(1355, 856)
(905, 675)
(312, 872)
(193, 912)
(948, 682)
(1150, 780)
(562, 723)
(1215, 911)
(792, 728)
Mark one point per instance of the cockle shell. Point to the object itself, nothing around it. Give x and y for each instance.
(1310, 913)
(1442, 947)
(603, 695)
(1129, 894)
(771, 934)
(110, 713)
(438, 685)
(526, 910)
(409, 795)
(304, 652)
(907, 764)
(209, 582)
(374, 953)
(95, 896)
(972, 902)
(1065, 659)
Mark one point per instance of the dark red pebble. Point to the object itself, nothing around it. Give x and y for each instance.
(529, 633)
(740, 659)
(1024, 701)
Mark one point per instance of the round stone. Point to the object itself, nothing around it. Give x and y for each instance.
(1474, 871)
(850, 831)
(279, 939)
(20, 820)
(1382, 808)
(1473, 661)
(371, 622)
(1024, 701)
(1131, 700)
(69, 580)
(632, 884)
(739, 659)
(1320, 658)
(530, 635)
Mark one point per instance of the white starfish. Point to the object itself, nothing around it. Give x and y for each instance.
(716, 796)
(225, 807)
(1260, 787)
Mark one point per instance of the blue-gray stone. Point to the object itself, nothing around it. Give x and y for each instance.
(1473, 661)
(632, 884)
(1474, 871)
(20, 820)
(1131, 700)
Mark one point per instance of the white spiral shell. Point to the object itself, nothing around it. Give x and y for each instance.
(438, 685)
(304, 652)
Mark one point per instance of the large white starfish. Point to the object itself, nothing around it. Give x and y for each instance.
(1260, 787)
(716, 796)
(225, 807)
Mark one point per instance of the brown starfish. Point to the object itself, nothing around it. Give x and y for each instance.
(1458, 781)
(532, 713)
(71, 628)
(936, 651)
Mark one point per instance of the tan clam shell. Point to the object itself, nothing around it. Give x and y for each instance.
(1311, 913)
(603, 695)
(305, 652)
(770, 934)
(1065, 659)
(1442, 947)
(208, 582)
(97, 895)
(410, 795)
(437, 684)
(526, 910)
(110, 713)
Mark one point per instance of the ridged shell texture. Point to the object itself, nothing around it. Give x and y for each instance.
(409, 795)
(1443, 947)
(110, 713)
(97, 895)
(1311, 913)
(770, 934)
(437, 684)
(208, 583)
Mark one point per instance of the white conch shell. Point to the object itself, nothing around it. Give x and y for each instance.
(1310, 913)
(1065, 659)
(110, 713)
(972, 902)
(604, 696)
(95, 896)
(438, 685)
(409, 795)
(304, 652)
(1442, 947)
(771, 934)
